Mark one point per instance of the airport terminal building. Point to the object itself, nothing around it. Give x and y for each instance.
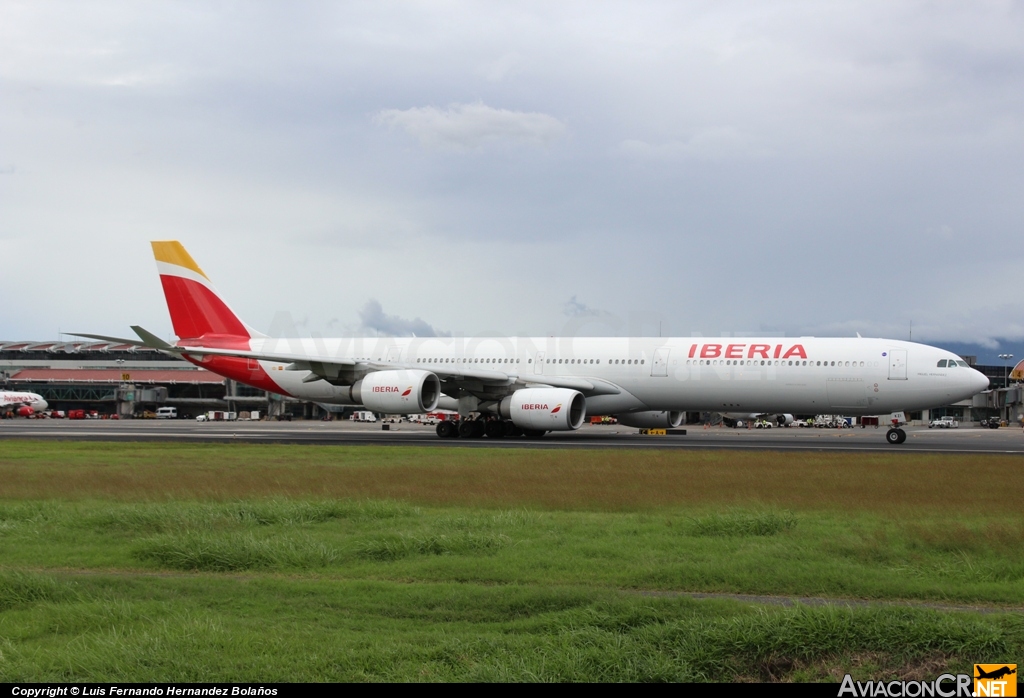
(129, 381)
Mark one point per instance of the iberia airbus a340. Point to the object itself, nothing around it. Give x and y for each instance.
(531, 385)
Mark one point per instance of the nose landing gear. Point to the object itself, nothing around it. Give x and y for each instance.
(895, 436)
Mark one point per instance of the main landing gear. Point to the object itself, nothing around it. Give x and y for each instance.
(477, 428)
(895, 436)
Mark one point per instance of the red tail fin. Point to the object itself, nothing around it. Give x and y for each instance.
(196, 308)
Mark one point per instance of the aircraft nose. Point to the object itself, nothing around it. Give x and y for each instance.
(979, 381)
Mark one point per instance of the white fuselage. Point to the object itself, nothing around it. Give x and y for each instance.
(13, 400)
(805, 375)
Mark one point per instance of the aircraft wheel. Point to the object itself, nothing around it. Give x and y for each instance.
(494, 429)
(508, 428)
(446, 430)
(895, 436)
(466, 428)
(903, 435)
(533, 433)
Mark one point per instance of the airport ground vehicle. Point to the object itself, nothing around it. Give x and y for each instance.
(533, 385)
(944, 423)
(831, 421)
(991, 423)
(218, 416)
(166, 412)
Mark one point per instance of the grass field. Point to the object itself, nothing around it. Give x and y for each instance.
(147, 562)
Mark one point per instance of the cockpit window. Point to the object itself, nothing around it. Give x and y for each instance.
(963, 363)
(942, 363)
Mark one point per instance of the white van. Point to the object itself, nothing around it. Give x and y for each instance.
(166, 412)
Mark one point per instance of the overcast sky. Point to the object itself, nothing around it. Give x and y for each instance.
(537, 168)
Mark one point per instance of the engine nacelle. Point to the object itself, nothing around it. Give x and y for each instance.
(545, 409)
(397, 392)
(25, 411)
(651, 420)
(784, 420)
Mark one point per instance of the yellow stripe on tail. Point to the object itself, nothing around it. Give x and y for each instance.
(173, 252)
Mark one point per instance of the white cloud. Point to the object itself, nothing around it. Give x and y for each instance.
(721, 143)
(472, 126)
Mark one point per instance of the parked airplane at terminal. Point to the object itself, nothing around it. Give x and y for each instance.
(531, 385)
(21, 404)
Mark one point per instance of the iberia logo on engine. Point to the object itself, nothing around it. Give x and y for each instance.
(995, 680)
(385, 389)
(558, 407)
(407, 391)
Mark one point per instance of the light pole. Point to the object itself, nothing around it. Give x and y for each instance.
(1006, 383)
(1006, 358)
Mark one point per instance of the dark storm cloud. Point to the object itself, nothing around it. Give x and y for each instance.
(374, 318)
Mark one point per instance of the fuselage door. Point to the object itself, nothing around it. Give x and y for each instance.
(659, 367)
(538, 363)
(394, 355)
(898, 364)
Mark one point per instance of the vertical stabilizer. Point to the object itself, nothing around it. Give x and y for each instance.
(196, 309)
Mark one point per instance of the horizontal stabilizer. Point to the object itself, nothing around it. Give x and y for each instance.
(152, 340)
(105, 338)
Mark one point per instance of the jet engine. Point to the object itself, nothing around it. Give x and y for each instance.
(545, 409)
(784, 420)
(397, 392)
(651, 420)
(25, 411)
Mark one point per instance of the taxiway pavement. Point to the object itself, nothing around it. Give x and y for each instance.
(1009, 440)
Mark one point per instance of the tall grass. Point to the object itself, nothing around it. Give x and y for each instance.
(20, 588)
(743, 524)
(395, 547)
(201, 628)
(234, 552)
(180, 516)
(431, 564)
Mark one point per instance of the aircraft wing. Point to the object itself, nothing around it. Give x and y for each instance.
(330, 368)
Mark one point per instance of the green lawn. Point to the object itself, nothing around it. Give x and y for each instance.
(145, 571)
